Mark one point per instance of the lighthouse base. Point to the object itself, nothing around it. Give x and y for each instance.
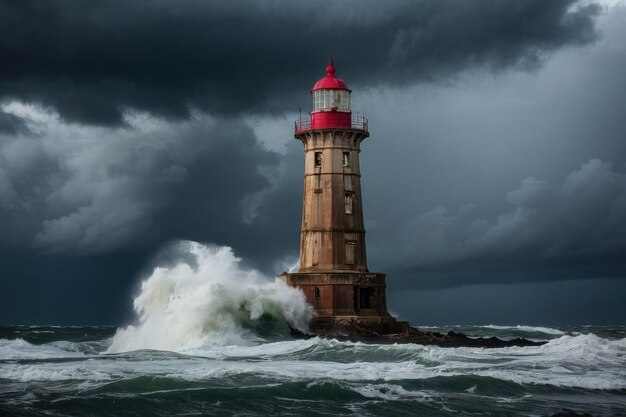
(345, 301)
(352, 306)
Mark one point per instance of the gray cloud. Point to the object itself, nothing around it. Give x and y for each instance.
(84, 190)
(572, 230)
(11, 124)
(93, 60)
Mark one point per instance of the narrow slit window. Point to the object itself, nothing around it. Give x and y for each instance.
(317, 293)
(346, 159)
(349, 203)
(318, 159)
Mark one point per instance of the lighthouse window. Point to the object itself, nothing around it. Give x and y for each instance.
(331, 99)
(349, 202)
(318, 159)
(346, 159)
(322, 100)
(336, 100)
(341, 100)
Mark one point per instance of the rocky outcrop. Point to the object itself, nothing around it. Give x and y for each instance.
(355, 333)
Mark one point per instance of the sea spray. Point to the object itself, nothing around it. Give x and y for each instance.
(206, 298)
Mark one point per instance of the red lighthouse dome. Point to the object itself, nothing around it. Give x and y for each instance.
(331, 105)
(330, 81)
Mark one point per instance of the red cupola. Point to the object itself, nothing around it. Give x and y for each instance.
(330, 81)
(331, 105)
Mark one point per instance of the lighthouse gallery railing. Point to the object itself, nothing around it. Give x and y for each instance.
(358, 123)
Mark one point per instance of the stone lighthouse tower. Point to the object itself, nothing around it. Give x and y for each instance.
(333, 271)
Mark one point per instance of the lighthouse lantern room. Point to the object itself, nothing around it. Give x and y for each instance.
(331, 105)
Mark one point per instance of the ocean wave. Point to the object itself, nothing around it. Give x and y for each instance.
(21, 349)
(390, 392)
(211, 301)
(30, 373)
(583, 372)
(519, 327)
(584, 361)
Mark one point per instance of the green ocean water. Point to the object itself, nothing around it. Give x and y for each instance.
(64, 371)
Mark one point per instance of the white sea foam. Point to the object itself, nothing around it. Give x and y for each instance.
(584, 361)
(390, 392)
(21, 349)
(534, 329)
(210, 301)
(28, 373)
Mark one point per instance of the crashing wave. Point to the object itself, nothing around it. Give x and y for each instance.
(206, 298)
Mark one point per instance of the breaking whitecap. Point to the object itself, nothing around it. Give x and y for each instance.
(207, 298)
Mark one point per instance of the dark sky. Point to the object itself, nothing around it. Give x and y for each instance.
(494, 180)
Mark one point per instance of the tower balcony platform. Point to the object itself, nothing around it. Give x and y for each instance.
(354, 123)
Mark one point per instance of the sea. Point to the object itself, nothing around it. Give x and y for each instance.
(212, 338)
(67, 371)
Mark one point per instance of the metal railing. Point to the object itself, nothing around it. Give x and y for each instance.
(357, 123)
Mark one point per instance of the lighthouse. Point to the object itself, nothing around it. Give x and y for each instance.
(333, 272)
(349, 300)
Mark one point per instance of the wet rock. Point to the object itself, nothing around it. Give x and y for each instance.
(354, 333)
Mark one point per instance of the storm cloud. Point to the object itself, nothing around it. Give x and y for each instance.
(570, 230)
(68, 188)
(91, 61)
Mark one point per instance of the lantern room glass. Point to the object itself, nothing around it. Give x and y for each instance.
(328, 100)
